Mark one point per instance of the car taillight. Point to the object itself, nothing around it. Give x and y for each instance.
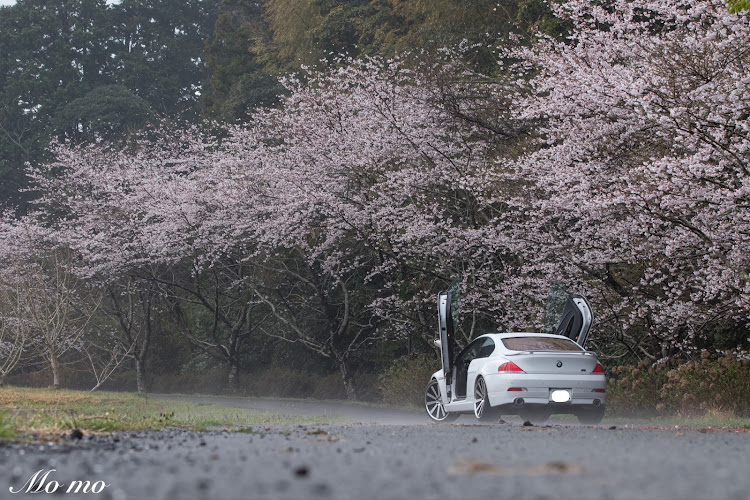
(515, 389)
(599, 368)
(509, 366)
(598, 390)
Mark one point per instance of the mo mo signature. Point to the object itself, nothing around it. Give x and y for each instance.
(41, 482)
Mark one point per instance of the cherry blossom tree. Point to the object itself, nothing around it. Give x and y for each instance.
(51, 299)
(372, 177)
(143, 216)
(639, 179)
(614, 161)
(383, 154)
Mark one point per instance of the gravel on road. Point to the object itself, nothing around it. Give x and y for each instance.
(371, 461)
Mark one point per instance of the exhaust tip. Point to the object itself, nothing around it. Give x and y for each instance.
(518, 401)
(597, 403)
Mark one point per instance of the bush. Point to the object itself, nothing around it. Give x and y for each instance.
(633, 390)
(404, 382)
(283, 382)
(710, 384)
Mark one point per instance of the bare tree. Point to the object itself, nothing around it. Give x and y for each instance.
(131, 304)
(14, 329)
(58, 307)
(106, 356)
(321, 312)
(215, 310)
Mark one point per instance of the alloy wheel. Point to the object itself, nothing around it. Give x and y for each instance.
(433, 403)
(480, 397)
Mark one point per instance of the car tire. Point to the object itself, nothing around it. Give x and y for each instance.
(482, 409)
(591, 417)
(433, 404)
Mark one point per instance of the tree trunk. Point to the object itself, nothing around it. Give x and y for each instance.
(142, 352)
(346, 377)
(140, 374)
(234, 375)
(55, 364)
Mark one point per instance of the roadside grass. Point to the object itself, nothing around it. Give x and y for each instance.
(7, 428)
(24, 410)
(365, 403)
(709, 420)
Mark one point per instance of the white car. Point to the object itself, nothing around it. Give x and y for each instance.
(533, 375)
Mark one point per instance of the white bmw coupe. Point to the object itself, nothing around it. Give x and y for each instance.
(533, 375)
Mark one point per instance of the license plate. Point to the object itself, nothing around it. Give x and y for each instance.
(559, 395)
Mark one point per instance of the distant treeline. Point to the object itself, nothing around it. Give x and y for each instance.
(86, 70)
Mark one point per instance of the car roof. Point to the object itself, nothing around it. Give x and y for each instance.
(506, 335)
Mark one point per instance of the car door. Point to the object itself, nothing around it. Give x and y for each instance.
(483, 348)
(447, 338)
(576, 319)
(463, 367)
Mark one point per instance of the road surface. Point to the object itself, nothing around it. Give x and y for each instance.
(381, 457)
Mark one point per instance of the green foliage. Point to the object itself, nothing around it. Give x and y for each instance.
(290, 44)
(736, 6)
(346, 29)
(158, 51)
(278, 36)
(107, 112)
(87, 70)
(403, 384)
(249, 92)
(537, 15)
(7, 426)
(238, 82)
(92, 71)
(726, 335)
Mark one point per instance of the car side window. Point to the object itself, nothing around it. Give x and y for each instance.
(487, 347)
(471, 352)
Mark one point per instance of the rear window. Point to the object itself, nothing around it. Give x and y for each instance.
(540, 344)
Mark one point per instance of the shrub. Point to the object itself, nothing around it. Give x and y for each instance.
(711, 384)
(283, 382)
(405, 381)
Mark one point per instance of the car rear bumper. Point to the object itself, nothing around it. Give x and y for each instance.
(585, 390)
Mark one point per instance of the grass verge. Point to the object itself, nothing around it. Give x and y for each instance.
(686, 421)
(48, 410)
(7, 427)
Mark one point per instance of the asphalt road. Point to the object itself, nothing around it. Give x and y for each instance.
(418, 460)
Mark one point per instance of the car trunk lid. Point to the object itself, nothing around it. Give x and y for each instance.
(560, 362)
